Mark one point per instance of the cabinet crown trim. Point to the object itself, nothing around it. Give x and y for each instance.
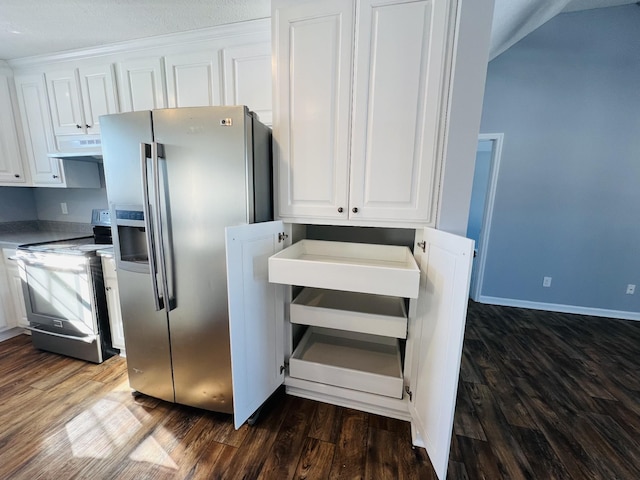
(248, 27)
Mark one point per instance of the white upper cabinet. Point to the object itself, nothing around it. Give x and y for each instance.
(64, 99)
(247, 78)
(47, 171)
(36, 126)
(312, 47)
(141, 84)
(78, 96)
(193, 79)
(400, 60)
(97, 84)
(11, 168)
(358, 108)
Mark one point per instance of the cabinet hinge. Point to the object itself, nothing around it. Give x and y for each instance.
(284, 367)
(409, 392)
(423, 246)
(282, 237)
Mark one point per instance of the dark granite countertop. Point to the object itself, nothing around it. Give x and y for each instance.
(13, 234)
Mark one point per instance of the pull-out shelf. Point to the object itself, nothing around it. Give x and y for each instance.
(351, 360)
(355, 312)
(355, 267)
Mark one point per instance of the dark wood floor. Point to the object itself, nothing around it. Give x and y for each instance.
(541, 396)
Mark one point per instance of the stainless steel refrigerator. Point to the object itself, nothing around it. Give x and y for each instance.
(175, 179)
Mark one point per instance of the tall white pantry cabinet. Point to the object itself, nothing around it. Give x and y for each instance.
(361, 101)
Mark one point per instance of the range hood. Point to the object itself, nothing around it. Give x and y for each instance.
(79, 146)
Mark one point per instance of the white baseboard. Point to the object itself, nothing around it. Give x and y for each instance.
(556, 307)
(12, 332)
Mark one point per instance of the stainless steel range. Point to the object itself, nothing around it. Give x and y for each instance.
(65, 298)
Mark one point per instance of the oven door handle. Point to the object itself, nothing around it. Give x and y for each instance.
(145, 153)
(87, 339)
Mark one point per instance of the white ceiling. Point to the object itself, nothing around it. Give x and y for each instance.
(36, 27)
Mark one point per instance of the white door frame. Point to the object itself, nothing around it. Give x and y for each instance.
(483, 241)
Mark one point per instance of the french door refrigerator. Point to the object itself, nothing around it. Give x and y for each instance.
(175, 179)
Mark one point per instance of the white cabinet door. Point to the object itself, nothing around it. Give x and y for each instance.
(141, 84)
(359, 101)
(435, 340)
(398, 78)
(64, 100)
(256, 316)
(113, 301)
(313, 48)
(6, 300)
(11, 168)
(247, 78)
(98, 90)
(19, 313)
(37, 130)
(78, 97)
(193, 79)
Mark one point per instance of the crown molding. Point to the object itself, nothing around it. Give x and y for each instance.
(260, 26)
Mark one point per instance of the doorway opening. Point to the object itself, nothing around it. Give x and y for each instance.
(485, 179)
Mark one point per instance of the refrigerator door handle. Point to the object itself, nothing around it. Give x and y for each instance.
(145, 153)
(168, 304)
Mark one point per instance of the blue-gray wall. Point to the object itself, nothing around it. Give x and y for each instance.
(80, 202)
(567, 204)
(22, 204)
(17, 204)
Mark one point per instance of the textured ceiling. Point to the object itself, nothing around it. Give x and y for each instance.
(36, 27)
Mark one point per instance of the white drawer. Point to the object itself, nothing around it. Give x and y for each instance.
(354, 267)
(356, 312)
(350, 360)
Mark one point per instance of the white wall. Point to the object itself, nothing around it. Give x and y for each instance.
(567, 205)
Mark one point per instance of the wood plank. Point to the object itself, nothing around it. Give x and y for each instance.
(326, 423)
(349, 459)
(479, 459)
(467, 422)
(505, 447)
(382, 455)
(543, 460)
(316, 457)
(289, 442)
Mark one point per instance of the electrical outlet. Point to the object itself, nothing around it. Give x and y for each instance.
(546, 282)
(63, 207)
(631, 289)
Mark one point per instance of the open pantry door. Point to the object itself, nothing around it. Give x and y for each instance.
(437, 335)
(256, 316)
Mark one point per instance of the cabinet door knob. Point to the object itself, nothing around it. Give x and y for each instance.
(17, 175)
(340, 209)
(87, 126)
(78, 126)
(55, 176)
(107, 288)
(354, 209)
